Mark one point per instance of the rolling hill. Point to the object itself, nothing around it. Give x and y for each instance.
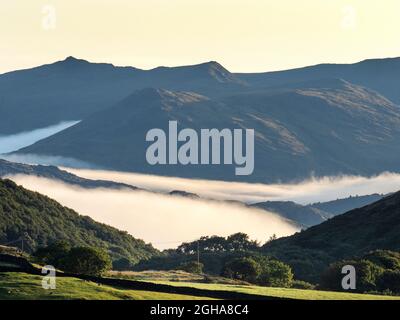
(382, 75)
(331, 128)
(8, 168)
(41, 221)
(340, 206)
(305, 216)
(375, 226)
(73, 89)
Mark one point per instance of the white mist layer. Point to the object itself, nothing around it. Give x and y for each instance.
(308, 191)
(165, 221)
(17, 141)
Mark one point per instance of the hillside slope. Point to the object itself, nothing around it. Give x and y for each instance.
(335, 128)
(8, 168)
(305, 216)
(376, 226)
(41, 221)
(382, 75)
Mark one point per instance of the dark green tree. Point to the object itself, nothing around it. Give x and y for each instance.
(275, 273)
(246, 269)
(86, 260)
(192, 267)
(367, 274)
(53, 253)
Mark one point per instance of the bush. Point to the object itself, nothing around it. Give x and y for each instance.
(276, 274)
(259, 270)
(192, 267)
(53, 253)
(384, 258)
(85, 260)
(298, 284)
(122, 264)
(367, 274)
(246, 269)
(389, 281)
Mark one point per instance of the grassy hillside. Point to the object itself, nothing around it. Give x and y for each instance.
(23, 286)
(41, 220)
(354, 233)
(284, 292)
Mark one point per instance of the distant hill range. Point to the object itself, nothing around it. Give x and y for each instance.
(304, 216)
(315, 121)
(340, 206)
(73, 89)
(312, 214)
(8, 168)
(41, 221)
(375, 226)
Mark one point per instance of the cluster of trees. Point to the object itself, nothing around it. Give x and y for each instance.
(235, 242)
(259, 270)
(77, 260)
(377, 271)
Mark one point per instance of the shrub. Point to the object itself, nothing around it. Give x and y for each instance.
(259, 270)
(192, 267)
(389, 281)
(246, 269)
(298, 284)
(53, 253)
(122, 264)
(86, 260)
(367, 274)
(276, 274)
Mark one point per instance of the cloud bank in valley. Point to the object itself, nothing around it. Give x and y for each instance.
(166, 221)
(308, 191)
(17, 141)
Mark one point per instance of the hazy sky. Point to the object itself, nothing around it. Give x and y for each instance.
(251, 35)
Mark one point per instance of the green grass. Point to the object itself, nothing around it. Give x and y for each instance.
(171, 275)
(21, 286)
(283, 292)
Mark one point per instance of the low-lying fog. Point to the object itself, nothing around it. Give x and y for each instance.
(165, 221)
(20, 140)
(308, 191)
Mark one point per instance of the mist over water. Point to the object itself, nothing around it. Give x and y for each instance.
(17, 141)
(308, 191)
(166, 221)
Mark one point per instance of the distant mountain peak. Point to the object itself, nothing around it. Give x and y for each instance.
(218, 72)
(71, 59)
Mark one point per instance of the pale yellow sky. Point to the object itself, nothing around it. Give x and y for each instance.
(243, 35)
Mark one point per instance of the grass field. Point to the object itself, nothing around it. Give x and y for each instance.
(172, 275)
(27, 287)
(283, 292)
(21, 286)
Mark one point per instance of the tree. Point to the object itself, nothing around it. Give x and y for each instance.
(86, 260)
(241, 242)
(122, 264)
(389, 280)
(275, 273)
(367, 274)
(246, 269)
(53, 253)
(192, 267)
